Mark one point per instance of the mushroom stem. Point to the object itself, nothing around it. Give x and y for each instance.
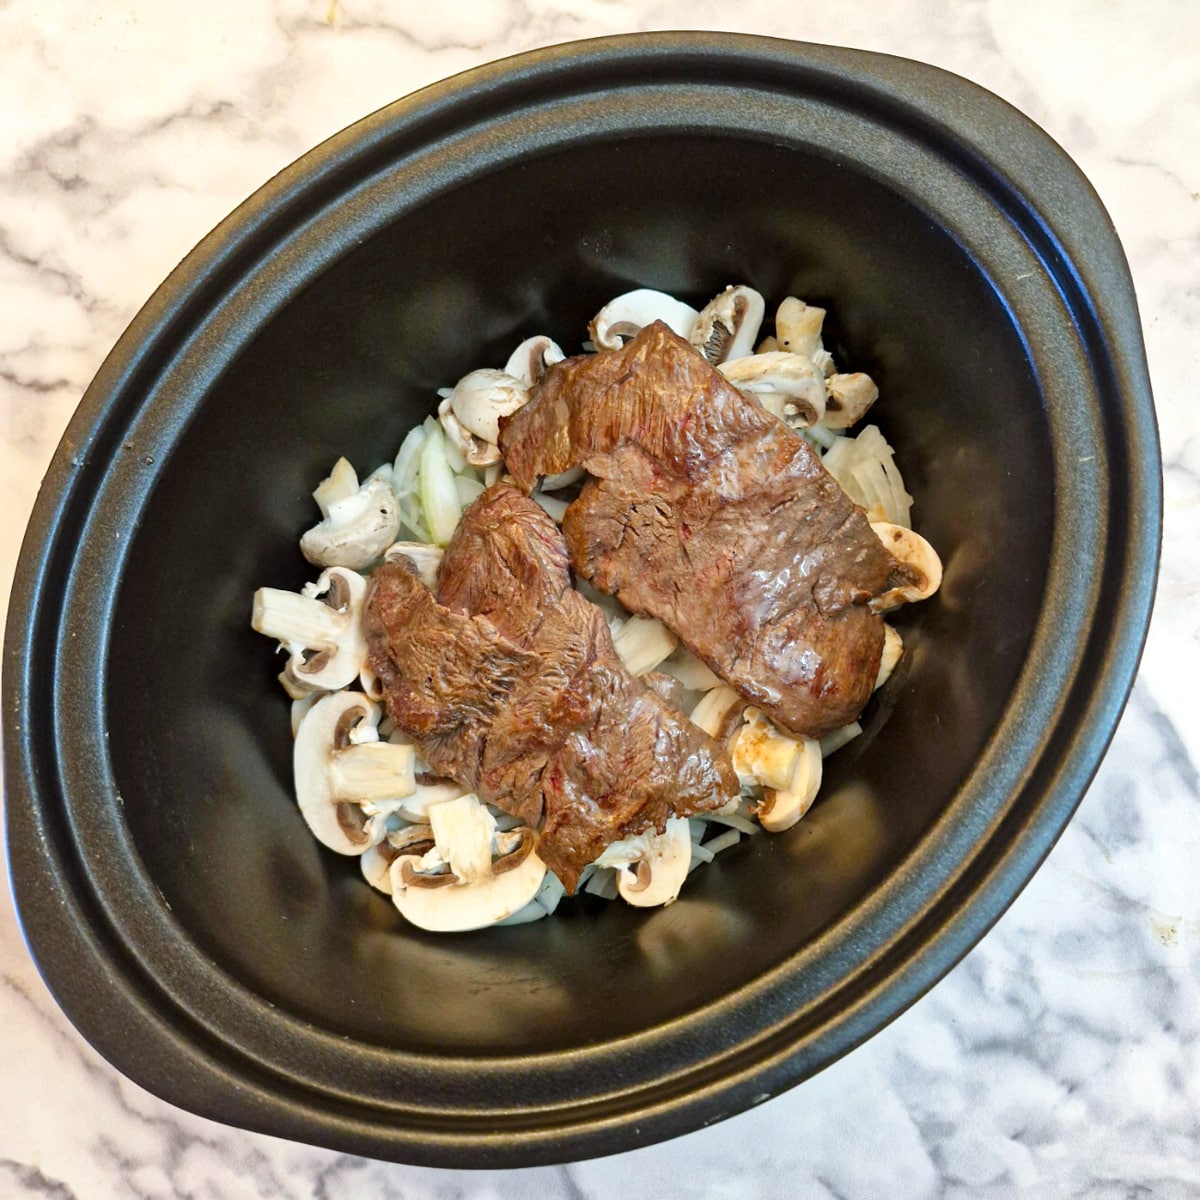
(341, 484)
(373, 771)
(642, 643)
(798, 326)
(295, 620)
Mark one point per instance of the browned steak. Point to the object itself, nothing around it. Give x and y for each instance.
(708, 513)
(509, 683)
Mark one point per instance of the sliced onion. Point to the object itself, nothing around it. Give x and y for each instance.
(440, 505)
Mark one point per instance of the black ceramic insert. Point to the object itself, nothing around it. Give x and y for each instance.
(182, 914)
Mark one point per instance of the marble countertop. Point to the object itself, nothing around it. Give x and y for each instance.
(1062, 1056)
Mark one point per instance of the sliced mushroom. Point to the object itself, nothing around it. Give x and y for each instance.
(626, 316)
(718, 712)
(764, 755)
(324, 638)
(781, 808)
(920, 564)
(423, 558)
(659, 863)
(798, 327)
(470, 414)
(642, 643)
(377, 860)
(357, 521)
(848, 398)
(338, 763)
(372, 685)
(431, 791)
(463, 831)
(530, 360)
(893, 648)
(728, 324)
(786, 384)
(300, 704)
(443, 903)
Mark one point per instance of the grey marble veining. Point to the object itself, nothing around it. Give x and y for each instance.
(1061, 1057)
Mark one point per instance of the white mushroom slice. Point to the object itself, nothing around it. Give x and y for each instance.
(920, 561)
(425, 559)
(296, 689)
(792, 378)
(660, 864)
(324, 639)
(340, 484)
(782, 808)
(893, 648)
(338, 763)
(357, 522)
(798, 327)
(848, 399)
(728, 324)
(718, 712)
(767, 346)
(376, 861)
(642, 643)
(441, 903)
(763, 754)
(471, 414)
(714, 711)
(372, 685)
(416, 807)
(626, 316)
(530, 360)
(463, 830)
(472, 449)
(300, 707)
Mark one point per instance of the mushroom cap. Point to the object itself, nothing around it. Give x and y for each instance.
(339, 664)
(416, 807)
(357, 530)
(528, 362)
(782, 808)
(442, 904)
(628, 314)
(482, 397)
(661, 866)
(425, 559)
(376, 861)
(325, 729)
(920, 561)
(728, 324)
(792, 377)
(798, 326)
(848, 399)
(893, 648)
(475, 450)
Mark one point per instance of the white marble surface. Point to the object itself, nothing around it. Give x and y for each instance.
(1061, 1058)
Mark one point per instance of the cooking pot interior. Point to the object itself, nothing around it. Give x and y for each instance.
(199, 728)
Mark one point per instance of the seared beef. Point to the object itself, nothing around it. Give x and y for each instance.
(509, 684)
(710, 514)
